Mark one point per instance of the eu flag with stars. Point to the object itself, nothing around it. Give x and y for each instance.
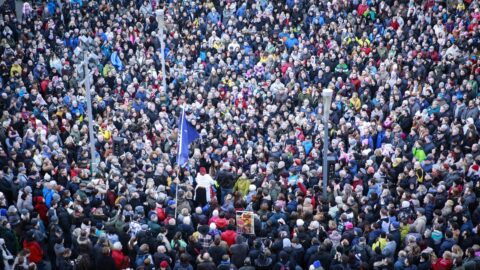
(187, 134)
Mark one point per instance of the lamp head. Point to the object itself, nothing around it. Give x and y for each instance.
(327, 95)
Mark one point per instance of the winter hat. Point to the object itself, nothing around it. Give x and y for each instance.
(27, 189)
(396, 225)
(213, 226)
(117, 246)
(314, 225)
(300, 222)
(14, 220)
(315, 266)
(53, 219)
(348, 226)
(164, 264)
(437, 236)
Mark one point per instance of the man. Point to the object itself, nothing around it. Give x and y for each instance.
(205, 262)
(239, 251)
(226, 180)
(421, 222)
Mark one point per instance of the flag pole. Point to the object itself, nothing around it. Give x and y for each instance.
(181, 122)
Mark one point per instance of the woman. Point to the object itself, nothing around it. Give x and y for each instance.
(203, 191)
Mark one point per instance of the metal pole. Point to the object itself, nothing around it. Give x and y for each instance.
(89, 114)
(161, 25)
(327, 100)
(325, 154)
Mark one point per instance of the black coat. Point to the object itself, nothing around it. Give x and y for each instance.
(239, 253)
(225, 179)
(206, 266)
(105, 263)
(217, 252)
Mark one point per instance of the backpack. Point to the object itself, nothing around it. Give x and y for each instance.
(361, 253)
(140, 259)
(82, 262)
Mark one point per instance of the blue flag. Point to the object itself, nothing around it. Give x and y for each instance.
(187, 134)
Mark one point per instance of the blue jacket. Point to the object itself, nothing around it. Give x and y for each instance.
(291, 42)
(446, 245)
(48, 195)
(380, 137)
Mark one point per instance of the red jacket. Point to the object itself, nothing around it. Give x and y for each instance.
(41, 208)
(121, 261)
(442, 264)
(221, 223)
(36, 252)
(229, 236)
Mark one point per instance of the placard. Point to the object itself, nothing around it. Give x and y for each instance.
(245, 220)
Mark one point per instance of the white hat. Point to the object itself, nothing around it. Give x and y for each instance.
(314, 225)
(117, 246)
(300, 222)
(213, 226)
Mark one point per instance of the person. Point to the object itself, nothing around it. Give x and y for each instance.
(183, 263)
(65, 262)
(226, 181)
(204, 262)
(445, 262)
(205, 183)
(121, 261)
(105, 261)
(35, 251)
(239, 251)
(7, 256)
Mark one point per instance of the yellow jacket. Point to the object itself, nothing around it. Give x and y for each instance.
(16, 68)
(381, 242)
(356, 103)
(362, 41)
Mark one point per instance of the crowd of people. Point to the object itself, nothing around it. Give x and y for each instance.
(403, 127)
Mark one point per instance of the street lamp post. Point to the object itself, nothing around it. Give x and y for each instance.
(89, 112)
(327, 101)
(161, 25)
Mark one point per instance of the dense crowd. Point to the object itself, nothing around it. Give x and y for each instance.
(403, 130)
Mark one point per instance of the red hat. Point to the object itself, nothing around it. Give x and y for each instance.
(164, 264)
(203, 171)
(475, 167)
(298, 162)
(348, 226)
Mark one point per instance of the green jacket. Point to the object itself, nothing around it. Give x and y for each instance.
(419, 154)
(242, 185)
(154, 227)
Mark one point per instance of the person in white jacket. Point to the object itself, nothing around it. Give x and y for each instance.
(205, 181)
(6, 254)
